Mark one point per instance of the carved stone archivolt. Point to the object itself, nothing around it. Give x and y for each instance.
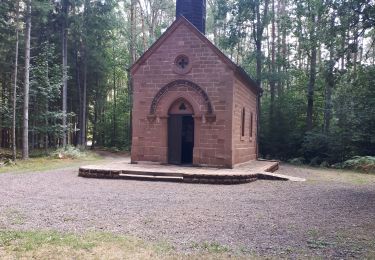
(186, 83)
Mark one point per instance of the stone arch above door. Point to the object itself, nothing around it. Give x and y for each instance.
(190, 86)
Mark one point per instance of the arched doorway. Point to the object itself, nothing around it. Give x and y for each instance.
(180, 133)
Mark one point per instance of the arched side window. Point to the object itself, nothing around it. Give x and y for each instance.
(243, 122)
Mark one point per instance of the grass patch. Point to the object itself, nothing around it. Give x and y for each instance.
(54, 245)
(212, 247)
(318, 244)
(346, 243)
(357, 241)
(30, 241)
(315, 241)
(317, 174)
(47, 163)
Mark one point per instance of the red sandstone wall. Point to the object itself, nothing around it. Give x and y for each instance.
(244, 148)
(213, 145)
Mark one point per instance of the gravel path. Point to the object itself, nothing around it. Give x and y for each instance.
(325, 216)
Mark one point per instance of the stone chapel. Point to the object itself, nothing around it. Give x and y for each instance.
(192, 105)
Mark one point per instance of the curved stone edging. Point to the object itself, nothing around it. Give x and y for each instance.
(99, 174)
(229, 180)
(186, 175)
(186, 178)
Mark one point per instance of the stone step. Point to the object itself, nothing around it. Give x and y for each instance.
(278, 177)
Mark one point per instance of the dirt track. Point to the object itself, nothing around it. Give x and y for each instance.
(331, 215)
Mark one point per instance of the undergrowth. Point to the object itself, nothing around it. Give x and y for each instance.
(69, 152)
(364, 164)
(359, 163)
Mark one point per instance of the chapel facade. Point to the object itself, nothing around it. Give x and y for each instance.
(191, 104)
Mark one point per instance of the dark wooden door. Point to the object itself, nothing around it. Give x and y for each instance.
(187, 145)
(174, 139)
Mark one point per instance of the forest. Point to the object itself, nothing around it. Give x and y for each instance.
(64, 76)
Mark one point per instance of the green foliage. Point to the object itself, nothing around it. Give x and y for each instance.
(45, 85)
(31, 240)
(343, 92)
(360, 163)
(7, 162)
(354, 105)
(68, 152)
(211, 247)
(100, 36)
(297, 161)
(316, 147)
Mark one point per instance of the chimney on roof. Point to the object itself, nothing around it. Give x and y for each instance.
(194, 11)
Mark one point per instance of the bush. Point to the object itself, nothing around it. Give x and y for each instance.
(69, 152)
(7, 162)
(316, 147)
(297, 161)
(360, 163)
(316, 161)
(324, 164)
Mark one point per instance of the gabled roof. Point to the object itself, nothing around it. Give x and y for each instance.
(239, 71)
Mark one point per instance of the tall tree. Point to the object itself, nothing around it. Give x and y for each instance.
(14, 119)
(132, 43)
(83, 109)
(261, 20)
(273, 62)
(258, 28)
(64, 41)
(25, 139)
(313, 15)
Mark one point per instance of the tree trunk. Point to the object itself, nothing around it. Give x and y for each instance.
(328, 96)
(133, 59)
(3, 103)
(78, 140)
(132, 31)
(14, 119)
(260, 24)
(144, 35)
(273, 64)
(95, 136)
(114, 102)
(312, 76)
(32, 146)
(46, 126)
(282, 48)
(64, 38)
(84, 102)
(330, 82)
(25, 139)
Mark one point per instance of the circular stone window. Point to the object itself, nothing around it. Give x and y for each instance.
(182, 64)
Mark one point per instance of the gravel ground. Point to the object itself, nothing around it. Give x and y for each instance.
(330, 215)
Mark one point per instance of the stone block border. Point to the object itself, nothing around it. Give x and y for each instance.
(185, 174)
